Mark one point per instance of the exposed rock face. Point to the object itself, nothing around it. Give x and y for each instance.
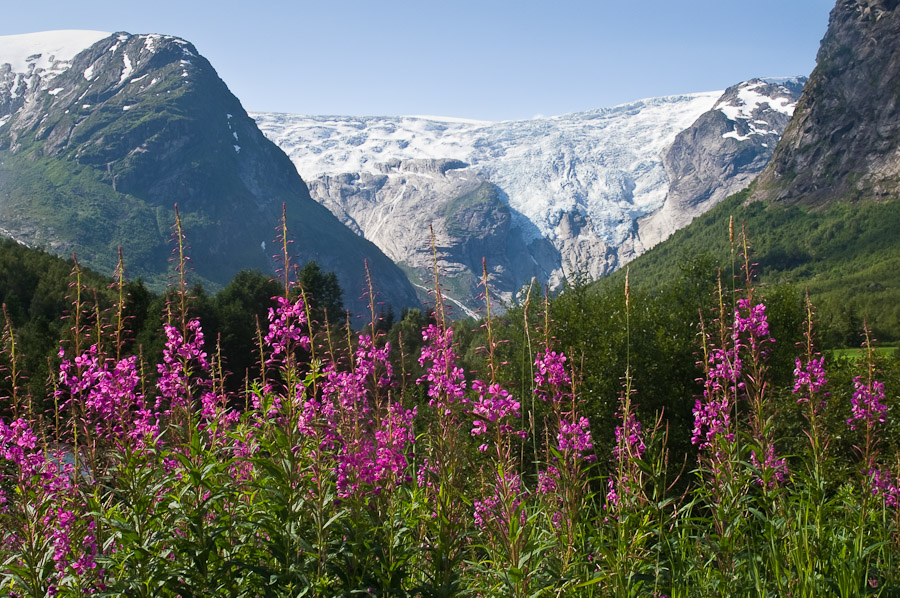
(721, 152)
(468, 215)
(96, 149)
(580, 193)
(844, 139)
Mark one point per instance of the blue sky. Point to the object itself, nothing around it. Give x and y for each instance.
(486, 59)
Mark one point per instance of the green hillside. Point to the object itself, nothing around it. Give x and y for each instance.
(846, 253)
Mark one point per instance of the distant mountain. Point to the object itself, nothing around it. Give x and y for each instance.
(844, 141)
(100, 135)
(544, 198)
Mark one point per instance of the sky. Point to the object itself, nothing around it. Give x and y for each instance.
(478, 59)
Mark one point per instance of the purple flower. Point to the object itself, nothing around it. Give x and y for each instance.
(712, 418)
(286, 322)
(887, 486)
(504, 503)
(809, 379)
(446, 381)
(576, 436)
(393, 441)
(775, 466)
(551, 376)
(371, 444)
(629, 437)
(612, 496)
(183, 358)
(754, 324)
(494, 405)
(867, 403)
(548, 481)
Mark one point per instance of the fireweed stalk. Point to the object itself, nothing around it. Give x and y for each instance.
(752, 338)
(502, 512)
(625, 554)
(806, 531)
(441, 473)
(736, 374)
(569, 449)
(626, 482)
(735, 339)
(809, 387)
(867, 411)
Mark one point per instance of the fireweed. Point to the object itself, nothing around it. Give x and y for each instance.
(328, 482)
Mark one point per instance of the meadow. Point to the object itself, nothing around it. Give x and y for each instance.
(334, 471)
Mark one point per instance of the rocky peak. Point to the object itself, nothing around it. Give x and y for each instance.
(844, 139)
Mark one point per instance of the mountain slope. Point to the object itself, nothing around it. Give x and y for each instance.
(96, 150)
(579, 193)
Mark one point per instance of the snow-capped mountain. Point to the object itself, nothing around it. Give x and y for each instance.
(545, 197)
(101, 135)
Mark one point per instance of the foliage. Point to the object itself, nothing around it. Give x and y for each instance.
(347, 465)
(845, 253)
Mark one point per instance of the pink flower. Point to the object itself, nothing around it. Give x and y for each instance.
(775, 466)
(494, 407)
(551, 377)
(286, 322)
(867, 404)
(183, 360)
(629, 437)
(446, 381)
(576, 436)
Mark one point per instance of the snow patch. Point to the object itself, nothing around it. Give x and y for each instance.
(41, 51)
(4, 120)
(750, 100)
(127, 68)
(734, 135)
(89, 72)
(53, 92)
(150, 41)
(237, 149)
(126, 108)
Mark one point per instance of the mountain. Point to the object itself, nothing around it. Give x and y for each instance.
(544, 198)
(102, 134)
(825, 212)
(844, 142)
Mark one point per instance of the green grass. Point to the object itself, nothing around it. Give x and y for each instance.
(860, 354)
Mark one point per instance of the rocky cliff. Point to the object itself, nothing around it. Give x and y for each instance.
(721, 152)
(844, 140)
